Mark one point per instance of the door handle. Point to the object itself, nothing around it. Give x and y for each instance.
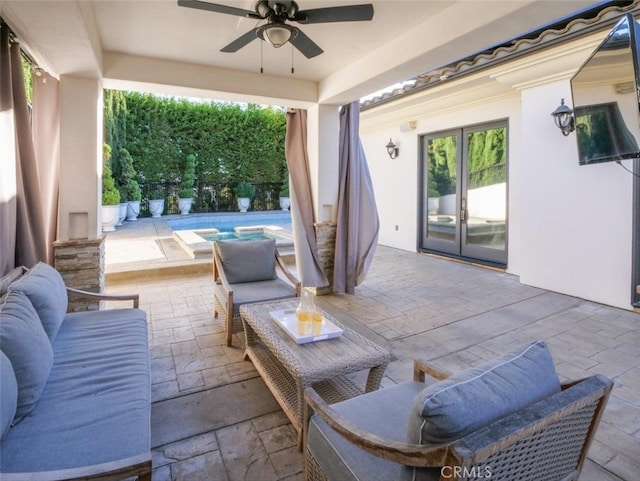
(463, 210)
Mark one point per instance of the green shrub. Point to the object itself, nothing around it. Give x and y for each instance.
(189, 178)
(284, 189)
(245, 189)
(156, 193)
(128, 179)
(110, 194)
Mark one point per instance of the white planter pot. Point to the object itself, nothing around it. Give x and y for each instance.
(433, 205)
(285, 203)
(156, 207)
(110, 214)
(133, 210)
(123, 213)
(184, 205)
(243, 203)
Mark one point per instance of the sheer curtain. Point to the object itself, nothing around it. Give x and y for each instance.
(46, 138)
(302, 219)
(24, 235)
(358, 224)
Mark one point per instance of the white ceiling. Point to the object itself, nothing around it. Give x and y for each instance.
(155, 45)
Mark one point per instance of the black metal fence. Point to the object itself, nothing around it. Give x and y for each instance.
(208, 197)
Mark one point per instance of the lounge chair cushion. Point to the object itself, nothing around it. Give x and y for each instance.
(95, 406)
(8, 393)
(476, 397)
(248, 292)
(27, 346)
(248, 261)
(383, 413)
(44, 287)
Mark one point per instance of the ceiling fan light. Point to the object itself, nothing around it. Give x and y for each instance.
(277, 35)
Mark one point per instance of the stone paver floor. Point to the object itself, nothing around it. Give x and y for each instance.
(213, 418)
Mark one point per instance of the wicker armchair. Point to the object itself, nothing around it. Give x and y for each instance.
(365, 437)
(245, 272)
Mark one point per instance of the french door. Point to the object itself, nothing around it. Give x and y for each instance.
(464, 193)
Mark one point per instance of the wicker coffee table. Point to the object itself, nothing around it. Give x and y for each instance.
(289, 368)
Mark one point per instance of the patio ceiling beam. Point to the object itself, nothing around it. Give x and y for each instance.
(174, 78)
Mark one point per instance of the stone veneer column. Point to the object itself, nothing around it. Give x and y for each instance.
(81, 264)
(326, 240)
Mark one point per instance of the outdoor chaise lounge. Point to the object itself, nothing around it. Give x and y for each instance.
(245, 272)
(507, 419)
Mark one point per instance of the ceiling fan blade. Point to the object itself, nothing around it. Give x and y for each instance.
(303, 43)
(346, 13)
(241, 41)
(214, 7)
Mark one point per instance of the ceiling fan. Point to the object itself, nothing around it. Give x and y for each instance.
(277, 12)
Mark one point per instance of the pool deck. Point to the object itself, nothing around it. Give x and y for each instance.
(148, 248)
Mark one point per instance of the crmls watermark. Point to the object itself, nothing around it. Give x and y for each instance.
(457, 472)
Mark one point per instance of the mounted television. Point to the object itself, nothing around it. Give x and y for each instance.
(605, 98)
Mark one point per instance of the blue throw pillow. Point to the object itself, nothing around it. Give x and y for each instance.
(23, 340)
(8, 394)
(44, 287)
(474, 398)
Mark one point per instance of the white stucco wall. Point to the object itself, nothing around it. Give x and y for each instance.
(576, 220)
(80, 158)
(570, 226)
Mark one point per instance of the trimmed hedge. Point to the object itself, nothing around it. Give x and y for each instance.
(231, 142)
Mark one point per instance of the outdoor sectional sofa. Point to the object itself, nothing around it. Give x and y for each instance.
(75, 387)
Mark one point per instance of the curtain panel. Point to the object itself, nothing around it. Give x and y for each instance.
(357, 223)
(302, 218)
(25, 237)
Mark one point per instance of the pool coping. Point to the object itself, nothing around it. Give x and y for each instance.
(198, 247)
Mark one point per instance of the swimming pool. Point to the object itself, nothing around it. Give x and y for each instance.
(228, 222)
(196, 234)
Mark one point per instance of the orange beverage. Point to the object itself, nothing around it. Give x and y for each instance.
(316, 322)
(304, 322)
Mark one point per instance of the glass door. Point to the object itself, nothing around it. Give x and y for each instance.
(441, 199)
(464, 193)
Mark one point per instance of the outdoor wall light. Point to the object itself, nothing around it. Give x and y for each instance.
(392, 149)
(563, 117)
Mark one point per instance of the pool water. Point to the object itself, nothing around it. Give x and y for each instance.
(228, 222)
(240, 236)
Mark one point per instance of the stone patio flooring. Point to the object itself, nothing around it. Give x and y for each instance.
(214, 419)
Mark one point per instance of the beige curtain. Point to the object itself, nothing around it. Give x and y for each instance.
(22, 218)
(302, 219)
(46, 137)
(358, 225)
(8, 189)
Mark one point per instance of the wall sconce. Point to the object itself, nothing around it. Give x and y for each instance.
(563, 117)
(392, 149)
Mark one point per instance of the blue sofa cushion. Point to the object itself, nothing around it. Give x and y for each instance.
(8, 394)
(44, 287)
(474, 398)
(248, 292)
(99, 392)
(248, 261)
(383, 413)
(27, 346)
